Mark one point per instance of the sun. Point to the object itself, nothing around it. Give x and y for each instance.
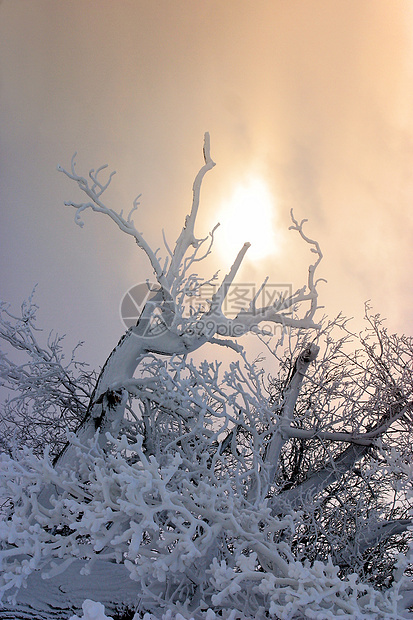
(248, 216)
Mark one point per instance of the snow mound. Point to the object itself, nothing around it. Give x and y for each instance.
(92, 611)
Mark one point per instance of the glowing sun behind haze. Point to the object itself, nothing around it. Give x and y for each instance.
(248, 216)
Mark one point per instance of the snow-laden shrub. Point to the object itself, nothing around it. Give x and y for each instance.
(187, 541)
(221, 490)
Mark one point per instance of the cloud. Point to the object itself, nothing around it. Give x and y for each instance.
(314, 97)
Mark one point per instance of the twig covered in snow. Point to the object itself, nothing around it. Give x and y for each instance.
(222, 490)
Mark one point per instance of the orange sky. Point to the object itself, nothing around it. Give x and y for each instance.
(314, 98)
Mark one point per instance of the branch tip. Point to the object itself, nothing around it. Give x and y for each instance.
(207, 146)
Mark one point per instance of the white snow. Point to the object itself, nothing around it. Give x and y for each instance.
(92, 611)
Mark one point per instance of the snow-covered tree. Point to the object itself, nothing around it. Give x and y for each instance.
(46, 395)
(214, 487)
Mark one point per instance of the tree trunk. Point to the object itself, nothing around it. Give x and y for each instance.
(107, 404)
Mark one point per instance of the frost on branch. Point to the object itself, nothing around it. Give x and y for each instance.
(47, 394)
(221, 489)
(164, 327)
(172, 498)
(177, 279)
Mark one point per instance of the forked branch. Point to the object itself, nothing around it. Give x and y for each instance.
(94, 192)
(187, 237)
(174, 278)
(312, 294)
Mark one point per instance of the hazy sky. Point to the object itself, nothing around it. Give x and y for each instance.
(309, 100)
